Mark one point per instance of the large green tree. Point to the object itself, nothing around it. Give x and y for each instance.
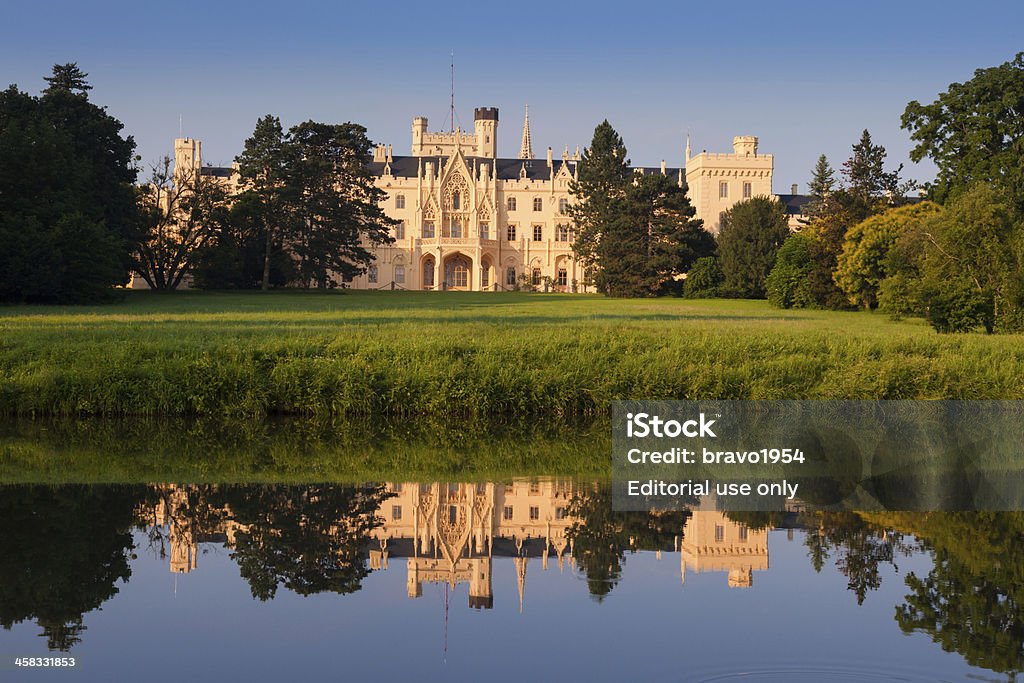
(861, 266)
(636, 233)
(336, 202)
(751, 233)
(974, 132)
(68, 221)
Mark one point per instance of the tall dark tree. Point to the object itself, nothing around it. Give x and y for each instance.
(336, 202)
(636, 233)
(68, 221)
(751, 233)
(974, 132)
(263, 168)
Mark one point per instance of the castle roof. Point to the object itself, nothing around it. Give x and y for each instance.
(508, 169)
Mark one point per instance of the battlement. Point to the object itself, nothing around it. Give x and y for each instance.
(485, 114)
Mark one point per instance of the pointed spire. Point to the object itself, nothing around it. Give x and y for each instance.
(521, 563)
(526, 150)
(687, 146)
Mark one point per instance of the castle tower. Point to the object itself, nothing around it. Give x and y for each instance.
(188, 155)
(485, 122)
(718, 181)
(481, 595)
(526, 149)
(419, 131)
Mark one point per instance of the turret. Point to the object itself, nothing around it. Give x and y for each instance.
(485, 121)
(419, 131)
(188, 155)
(745, 145)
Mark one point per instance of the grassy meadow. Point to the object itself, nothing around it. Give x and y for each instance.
(468, 354)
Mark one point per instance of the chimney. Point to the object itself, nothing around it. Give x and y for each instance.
(795, 189)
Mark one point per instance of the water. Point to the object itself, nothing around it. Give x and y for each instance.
(518, 578)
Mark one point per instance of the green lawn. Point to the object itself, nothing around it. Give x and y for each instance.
(468, 354)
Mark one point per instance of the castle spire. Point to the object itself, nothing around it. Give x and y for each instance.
(526, 150)
(687, 146)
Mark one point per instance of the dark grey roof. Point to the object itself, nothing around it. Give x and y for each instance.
(217, 171)
(795, 203)
(508, 169)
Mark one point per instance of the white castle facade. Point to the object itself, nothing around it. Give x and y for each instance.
(469, 220)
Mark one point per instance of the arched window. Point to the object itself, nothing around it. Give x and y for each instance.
(510, 276)
(538, 204)
(511, 203)
(456, 201)
(371, 274)
(428, 273)
(563, 206)
(400, 274)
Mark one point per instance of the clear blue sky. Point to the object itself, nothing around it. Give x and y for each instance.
(806, 77)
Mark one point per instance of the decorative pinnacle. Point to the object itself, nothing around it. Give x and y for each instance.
(526, 150)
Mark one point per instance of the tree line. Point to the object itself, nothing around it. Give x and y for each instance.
(74, 223)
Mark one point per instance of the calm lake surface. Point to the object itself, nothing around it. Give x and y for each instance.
(530, 577)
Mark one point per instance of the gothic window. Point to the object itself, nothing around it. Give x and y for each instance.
(456, 201)
(428, 273)
(400, 274)
(510, 232)
(538, 233)
(506, 513)
(400, 230)
(510, 276)
(536, 277)
(371, 274)
(538, 204)
(746, 190)
(485, 277)
(562, 233)
(511, 203)
(400, 201)
(723, 190)
(428, 230)
(485, 231)
(457, 229)
(396, 513)
(563, 206)
(460, 275)
(563, 277)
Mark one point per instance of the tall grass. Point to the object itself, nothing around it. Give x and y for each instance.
(384, 353)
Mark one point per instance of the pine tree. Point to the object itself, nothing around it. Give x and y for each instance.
(822, 179)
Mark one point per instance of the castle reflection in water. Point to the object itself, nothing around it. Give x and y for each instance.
(453, 533)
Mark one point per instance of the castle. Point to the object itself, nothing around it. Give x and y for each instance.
(469, 220)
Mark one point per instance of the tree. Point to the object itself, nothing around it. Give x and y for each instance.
(262, 166)
(861, 266)
(67, 78)
(751, 233)
(181, 212)
(787, 285)
(603, 176)
(974, 132)
(867, 181)
(68, 220)
(823, 182)
(704, 279)
(636, 233)
(336, 201)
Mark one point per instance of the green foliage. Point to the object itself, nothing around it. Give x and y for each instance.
(973, 132)
(751, 233)
(68, 223)
(787, 285)
(861, 266)
(705, 279)
(635, 234)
